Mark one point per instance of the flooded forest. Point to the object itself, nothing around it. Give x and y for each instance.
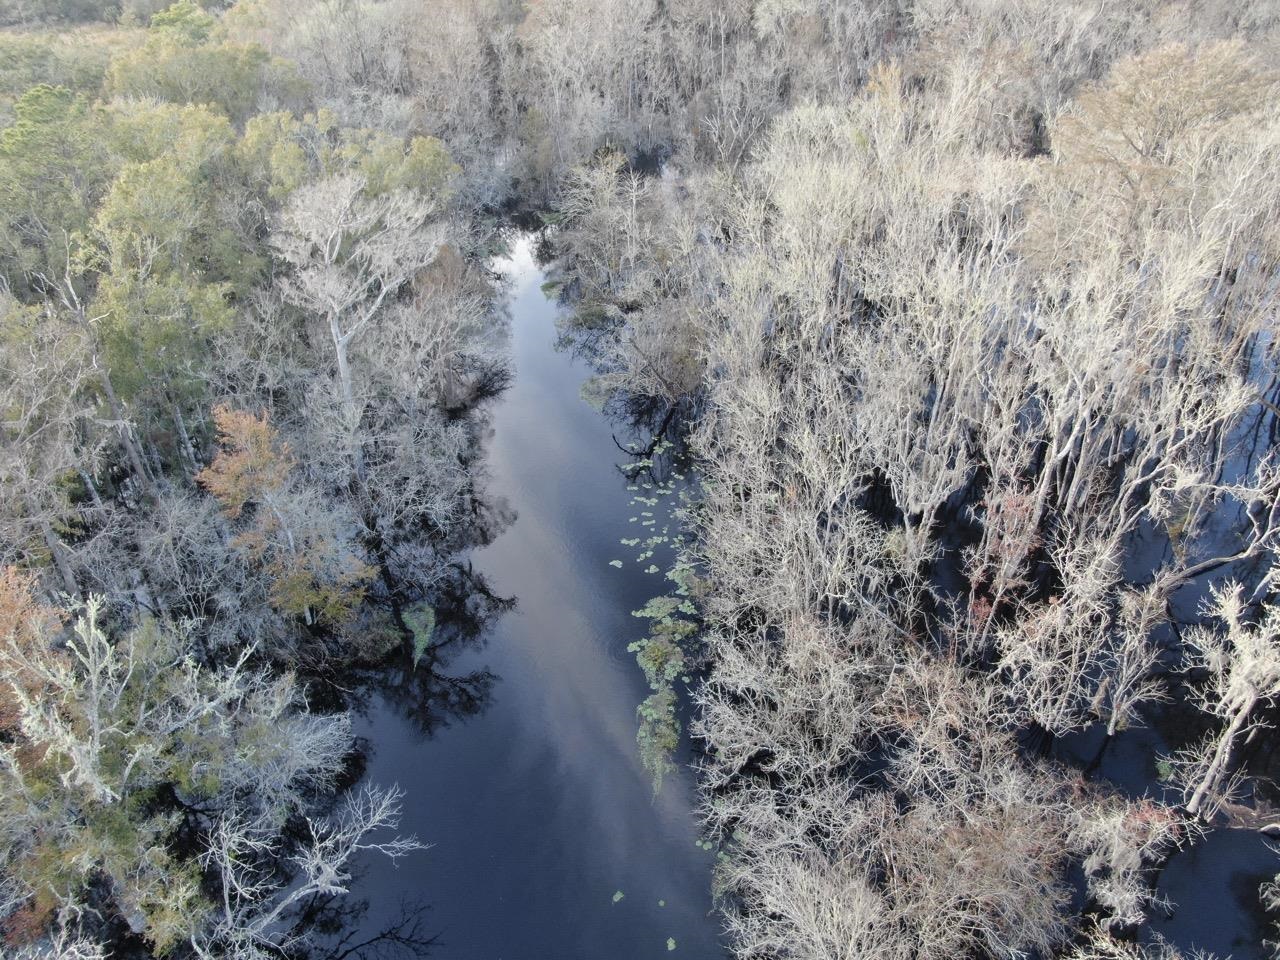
(611, 479)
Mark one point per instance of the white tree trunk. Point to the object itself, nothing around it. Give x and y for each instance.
(1221, 757)
(347, 388)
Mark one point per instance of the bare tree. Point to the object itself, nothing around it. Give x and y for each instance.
(350, 253)
(1243, 668)
(250, 920)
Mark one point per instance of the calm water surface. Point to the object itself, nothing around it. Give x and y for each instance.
(537, 808)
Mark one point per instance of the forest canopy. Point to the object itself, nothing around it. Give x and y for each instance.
(965, 312)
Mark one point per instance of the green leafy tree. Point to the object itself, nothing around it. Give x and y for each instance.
(185, 60)
(184, 20)
(27, 60)
(282, 152)
(52, 175)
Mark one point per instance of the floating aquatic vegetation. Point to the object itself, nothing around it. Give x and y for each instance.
(663, 658)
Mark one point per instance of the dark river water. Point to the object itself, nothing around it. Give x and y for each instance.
(537, 808)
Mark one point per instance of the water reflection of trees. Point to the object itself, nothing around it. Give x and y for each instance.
(418, 567)
(648, 430)
(424, 568)
(425, 689)
(332, 927)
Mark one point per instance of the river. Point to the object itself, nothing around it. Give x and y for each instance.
(537, 807)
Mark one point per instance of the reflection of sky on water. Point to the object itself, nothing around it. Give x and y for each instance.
(538, 808)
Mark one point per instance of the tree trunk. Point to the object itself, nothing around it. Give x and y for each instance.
(126, 434)
(1221, 757)
(348, 395)
(307, 617)
(55, 547)
(185, 438)
(91, 487)
(344, 369)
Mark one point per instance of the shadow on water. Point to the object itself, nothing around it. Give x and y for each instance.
(513, 737)
(340, 925)
(428, 690)
(1213, 886)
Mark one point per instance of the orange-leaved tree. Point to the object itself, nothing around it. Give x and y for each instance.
(315, 572)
